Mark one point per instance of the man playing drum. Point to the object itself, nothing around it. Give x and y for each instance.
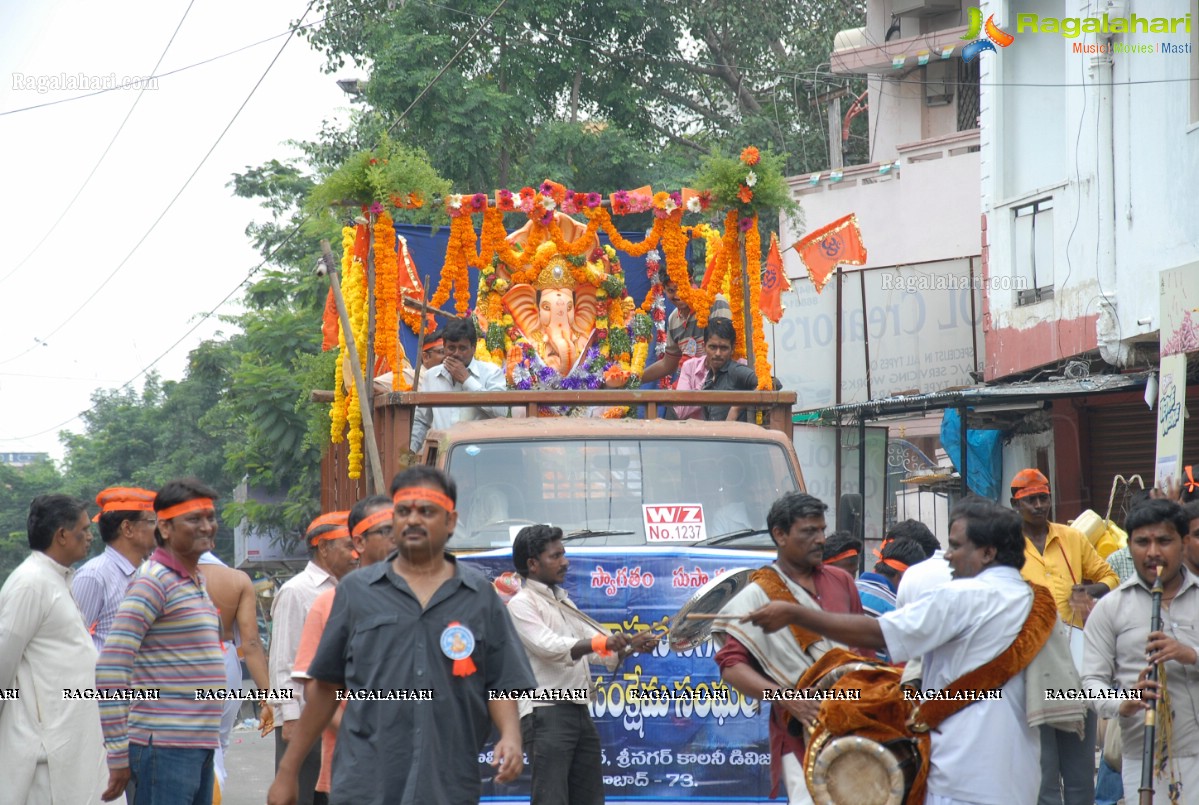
(757, 663)
(966, 626)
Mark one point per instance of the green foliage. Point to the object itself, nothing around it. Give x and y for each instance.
(727, 177)
(18, 487)
(380, 175)
(516, 105)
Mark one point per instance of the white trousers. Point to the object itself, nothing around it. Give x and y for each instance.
(233, 681)
(794, 781)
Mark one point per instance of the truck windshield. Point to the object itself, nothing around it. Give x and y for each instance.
(595, 490)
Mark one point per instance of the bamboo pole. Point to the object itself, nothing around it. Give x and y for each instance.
(364, 396)
(419, 361)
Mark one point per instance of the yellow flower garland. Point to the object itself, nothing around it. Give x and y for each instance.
(337, 414)
(354, 290)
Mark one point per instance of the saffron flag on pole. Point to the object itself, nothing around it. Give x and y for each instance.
(838, 243)
(774, 282)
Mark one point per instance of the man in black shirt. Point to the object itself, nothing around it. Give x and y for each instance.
(416, 644)
(725, 374)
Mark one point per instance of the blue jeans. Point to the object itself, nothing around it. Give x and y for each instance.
(171, 776)
(1109, 788)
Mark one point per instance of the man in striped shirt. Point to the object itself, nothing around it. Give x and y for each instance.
(127, 522)
(165, 645)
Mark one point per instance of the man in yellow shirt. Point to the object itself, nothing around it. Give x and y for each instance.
(1062, 559)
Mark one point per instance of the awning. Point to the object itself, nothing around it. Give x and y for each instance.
(980, 398)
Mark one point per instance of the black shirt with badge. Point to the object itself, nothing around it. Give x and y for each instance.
(378, 638)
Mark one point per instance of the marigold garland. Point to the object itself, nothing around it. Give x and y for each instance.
(753, 260)
(460, 253)
(354, 291)
(337, 413)
(387, 276)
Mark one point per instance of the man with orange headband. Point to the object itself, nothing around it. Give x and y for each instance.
(1062, 558)
(842, 549)
(127, 524)
(370, 524)
(420, 624)
(166, 642)
(331, 556)
(434, 350)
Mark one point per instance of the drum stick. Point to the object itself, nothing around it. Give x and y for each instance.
(699, 616)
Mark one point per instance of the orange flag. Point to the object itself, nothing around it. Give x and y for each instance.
(774, 282)
(839, 243)
(329, 323)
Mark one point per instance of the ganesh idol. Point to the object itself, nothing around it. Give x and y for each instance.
(557, 312)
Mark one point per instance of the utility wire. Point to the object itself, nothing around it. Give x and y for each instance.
(108, 148)
(45, 340)
(292, 233)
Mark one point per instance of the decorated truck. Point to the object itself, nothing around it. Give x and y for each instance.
(653, 508)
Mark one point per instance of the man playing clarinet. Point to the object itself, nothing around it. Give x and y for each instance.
(1121, 648)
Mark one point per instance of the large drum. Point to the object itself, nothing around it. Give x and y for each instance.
(860, 752)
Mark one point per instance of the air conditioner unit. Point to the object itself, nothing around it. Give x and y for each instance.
(924, 8)
(940, 79)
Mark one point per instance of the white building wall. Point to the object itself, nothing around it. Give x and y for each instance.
(1120, 162)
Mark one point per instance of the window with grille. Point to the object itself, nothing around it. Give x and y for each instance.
(1032, 251)
(968, 94)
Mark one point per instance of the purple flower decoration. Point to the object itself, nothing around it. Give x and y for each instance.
(594, 200)
(546, 188)
(677, 198)
(376, 208)
(478, 202)
(746, 224)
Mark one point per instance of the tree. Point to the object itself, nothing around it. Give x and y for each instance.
(18, 487)
(706, 74)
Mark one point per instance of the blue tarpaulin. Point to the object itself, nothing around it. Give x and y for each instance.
(985, 469)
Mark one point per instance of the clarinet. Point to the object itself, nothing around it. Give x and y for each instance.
(1155, 625)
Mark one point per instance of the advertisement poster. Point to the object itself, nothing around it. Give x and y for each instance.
(670, 729)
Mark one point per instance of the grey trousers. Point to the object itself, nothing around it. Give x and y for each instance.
(1068, 766)
(310, 771)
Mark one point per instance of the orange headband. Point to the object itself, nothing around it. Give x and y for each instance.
(895, 564)
(424, 493)
(337, 532)
(124, 499)
(434, 344)
(843, 555)
(367, 523)
(186, 507)
(1190, 483)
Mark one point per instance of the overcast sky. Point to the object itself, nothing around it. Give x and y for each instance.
(197, 254)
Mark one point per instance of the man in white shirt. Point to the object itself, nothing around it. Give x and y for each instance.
(559, 736)
(1119, 648)
(961, 627)
(331, 556)
(52, 746)
(127, 523)
(458, 372)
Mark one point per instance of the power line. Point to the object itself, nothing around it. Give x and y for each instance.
(108, 148)
(292, 233)
(168, 73)
(170, 203)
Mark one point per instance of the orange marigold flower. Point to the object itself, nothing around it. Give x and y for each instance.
(750, 155)
(745, 194)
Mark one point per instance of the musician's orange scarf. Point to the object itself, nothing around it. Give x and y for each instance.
(882, 714)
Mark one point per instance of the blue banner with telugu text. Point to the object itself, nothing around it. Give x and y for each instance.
(671, 730)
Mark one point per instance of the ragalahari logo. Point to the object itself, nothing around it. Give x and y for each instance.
(994, 35)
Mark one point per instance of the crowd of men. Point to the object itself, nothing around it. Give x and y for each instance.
(1014, 599)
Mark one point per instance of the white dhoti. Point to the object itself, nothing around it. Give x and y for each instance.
(795, 782)
(1188, 774)
(233, 679)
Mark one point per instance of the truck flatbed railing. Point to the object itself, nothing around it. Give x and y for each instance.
(394, 412)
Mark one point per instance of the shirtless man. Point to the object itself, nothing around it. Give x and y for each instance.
(232, 594)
